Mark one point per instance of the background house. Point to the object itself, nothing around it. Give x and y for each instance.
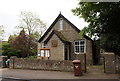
(62, 41)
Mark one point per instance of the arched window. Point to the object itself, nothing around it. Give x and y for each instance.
(61, 24)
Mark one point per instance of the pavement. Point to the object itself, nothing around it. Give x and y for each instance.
(34, 75)
(60, 80)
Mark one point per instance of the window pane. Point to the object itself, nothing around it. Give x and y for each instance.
(77, 43)
(42, 53)
(61, 24)
(77, 49)
(81, 48)
(81, 42)
(47, 53)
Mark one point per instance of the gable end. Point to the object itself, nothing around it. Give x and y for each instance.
(59, 16)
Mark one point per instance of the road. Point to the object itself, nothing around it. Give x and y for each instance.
(38, 75)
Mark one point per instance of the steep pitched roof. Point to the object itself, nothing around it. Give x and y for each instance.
(59, 35)
(85, 36)
(59, 16)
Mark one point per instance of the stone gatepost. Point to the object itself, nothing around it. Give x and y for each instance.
(12, 61)
(83, 62)
(117, 64)
(82, 58)
(110, 65)
(4, 58)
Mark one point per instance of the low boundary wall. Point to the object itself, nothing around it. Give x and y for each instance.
(37, 64)
(41, 64)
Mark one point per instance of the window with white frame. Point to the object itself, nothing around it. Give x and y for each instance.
(61, 24)
(79, 46)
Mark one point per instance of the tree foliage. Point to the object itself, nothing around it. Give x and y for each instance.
(11, 38)
(22, 45)
(85, 31)
(25, 44)
(103, 18)
(32, 24)
(7, 50)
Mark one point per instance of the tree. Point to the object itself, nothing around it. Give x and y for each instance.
(11, 38)
(1, 32)
(7, 50)
(32, 24)
(25, 44)
(85, 31)
(104, 19)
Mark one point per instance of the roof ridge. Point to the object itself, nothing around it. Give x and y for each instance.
(54, 22)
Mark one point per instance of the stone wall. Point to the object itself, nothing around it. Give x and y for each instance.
(56, 53)
(89, 52)
(112, 63)
(82, 58)
(38, 64)
(117, 64)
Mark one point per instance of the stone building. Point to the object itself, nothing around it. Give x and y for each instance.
(62, 41)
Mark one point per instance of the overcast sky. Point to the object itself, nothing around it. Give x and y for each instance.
(48, 10)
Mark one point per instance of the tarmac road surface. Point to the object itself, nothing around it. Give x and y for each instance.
(38, 75)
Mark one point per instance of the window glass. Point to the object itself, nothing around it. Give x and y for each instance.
(47, 53)
(82, 42)
(61, 24)
(79, 46)
(77, 43)
(42, 53)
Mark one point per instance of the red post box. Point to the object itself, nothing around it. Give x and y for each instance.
(77, 67)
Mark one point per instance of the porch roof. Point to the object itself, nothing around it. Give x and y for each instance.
(59, 35)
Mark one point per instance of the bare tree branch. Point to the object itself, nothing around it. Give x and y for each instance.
(32, 24)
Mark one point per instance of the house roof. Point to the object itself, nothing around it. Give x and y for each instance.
(59, 16)
(59, 35)
(85, 36)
